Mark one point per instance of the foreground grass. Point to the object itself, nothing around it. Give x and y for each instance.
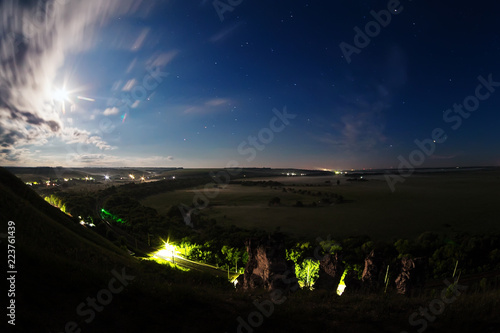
(305, 311)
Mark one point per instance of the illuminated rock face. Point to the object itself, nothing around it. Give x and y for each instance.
(403, 279)
(412, 274)
(267, 266)
(374, 264)
(331, 269)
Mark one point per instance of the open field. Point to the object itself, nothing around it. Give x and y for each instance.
(437, 202)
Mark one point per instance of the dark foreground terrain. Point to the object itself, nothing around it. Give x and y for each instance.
(71, 279)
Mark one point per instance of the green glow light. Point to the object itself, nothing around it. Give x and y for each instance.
(107, 215)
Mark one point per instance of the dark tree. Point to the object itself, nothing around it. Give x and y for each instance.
(274, 201)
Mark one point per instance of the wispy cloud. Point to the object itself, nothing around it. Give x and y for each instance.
(359, 127)
(361, 117)
(140, 39)
(162, 59)
(208, 106)
(217, 101)
(361, 130)
(35, 39)
(16, 155)
(225, 33)
(111, 111)
(129, 85)
(102, 159)
(74, 135)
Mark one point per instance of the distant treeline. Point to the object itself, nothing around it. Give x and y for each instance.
(142, 190)
(263, 183)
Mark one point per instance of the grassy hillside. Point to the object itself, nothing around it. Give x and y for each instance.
(60, 264)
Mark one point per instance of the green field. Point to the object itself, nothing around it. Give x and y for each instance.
(439, 202)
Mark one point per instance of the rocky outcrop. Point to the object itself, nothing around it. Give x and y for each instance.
(412, 274)
(331, 269)
(352, 282)
(374, 266)
(267, 266)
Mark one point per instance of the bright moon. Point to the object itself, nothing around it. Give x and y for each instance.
(60, 95)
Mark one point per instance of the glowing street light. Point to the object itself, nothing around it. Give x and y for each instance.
(168, 252)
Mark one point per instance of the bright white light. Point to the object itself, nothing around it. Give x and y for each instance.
(60, 95)
(106, 177)
(168, 252)
(340, 289)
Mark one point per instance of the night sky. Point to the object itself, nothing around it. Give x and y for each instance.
(170, 83)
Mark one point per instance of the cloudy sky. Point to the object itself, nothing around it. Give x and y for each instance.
(335, 85)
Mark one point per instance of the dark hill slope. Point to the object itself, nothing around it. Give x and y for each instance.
(60, 264)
